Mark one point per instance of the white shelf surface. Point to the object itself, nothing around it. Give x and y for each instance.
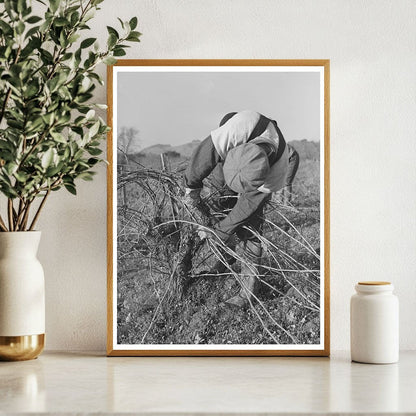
(86, 383)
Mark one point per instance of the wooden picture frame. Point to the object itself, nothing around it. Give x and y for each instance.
(299, 83)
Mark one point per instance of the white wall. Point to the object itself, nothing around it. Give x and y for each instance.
(371, 45)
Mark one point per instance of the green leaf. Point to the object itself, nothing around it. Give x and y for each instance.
(94, 129)
(61, 21)
(54, 4)
(46, 56)
(77, 56)
(5, 146)
(70, 188)
(20, 28)
(7, 52)
(21, 177)
(33, 44)
(52, 171)
(89, 15)
(92, 161)
(87, 42)
(31, 90)
(70, 10)
(67, 153)
(33, 19)
(82, 166)
(86, 176)
(67, 56)
(63, 118)
(85, 85)
(121, 22)
(64, 93)
(21, 6)
(15, 124)
(48, 118)
(31, 31)
(90, 114)
(10, 7)
(8, 191)
(133, 23)
(63, 41)
(26, 11)
(11, 168)
(47, 158)
(112, 40)
(78, 154)
(35, 125)
(110, 60)
(74, 18)
(77, 130)
(111, 30)
(94, 151)
(123, 46)
(80, 120)
(134, 37)
(53, 83)
(5, 28)
(60, 138)
(73, 38)
(96, 77)
(119, 52)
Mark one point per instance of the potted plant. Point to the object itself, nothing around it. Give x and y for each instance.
(50, 136)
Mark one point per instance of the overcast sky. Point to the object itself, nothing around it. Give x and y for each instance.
(176, 108)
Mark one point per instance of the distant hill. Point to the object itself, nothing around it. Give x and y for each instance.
(307, 149)
(184, 150)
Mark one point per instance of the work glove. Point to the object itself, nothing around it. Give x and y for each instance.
(197, 208)
(204, 234)
(212, 234)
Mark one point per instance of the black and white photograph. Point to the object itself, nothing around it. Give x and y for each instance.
(218, 216)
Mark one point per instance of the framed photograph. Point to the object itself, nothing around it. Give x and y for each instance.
(218, 207)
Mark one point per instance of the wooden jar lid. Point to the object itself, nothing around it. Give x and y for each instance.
(374, 283)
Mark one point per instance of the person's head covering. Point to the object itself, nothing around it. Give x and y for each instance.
(226, 118)
(246, 168)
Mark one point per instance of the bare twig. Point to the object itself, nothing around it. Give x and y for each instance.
(157, 189)
(251, 294)
(158, 307)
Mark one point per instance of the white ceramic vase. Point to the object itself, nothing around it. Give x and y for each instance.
(22, 296)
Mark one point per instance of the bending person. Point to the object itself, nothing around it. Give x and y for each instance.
(249, 157)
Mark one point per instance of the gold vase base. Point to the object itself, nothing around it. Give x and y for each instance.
(21, 348)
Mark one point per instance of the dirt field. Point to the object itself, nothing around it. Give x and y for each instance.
(154, 307)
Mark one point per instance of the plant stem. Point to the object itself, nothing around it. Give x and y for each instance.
(25, 216)
(20, 215)
(2, 224)
(38, 211)
(17, 217)
(10, 213)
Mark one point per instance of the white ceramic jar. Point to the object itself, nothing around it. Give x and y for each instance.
(374, 323)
